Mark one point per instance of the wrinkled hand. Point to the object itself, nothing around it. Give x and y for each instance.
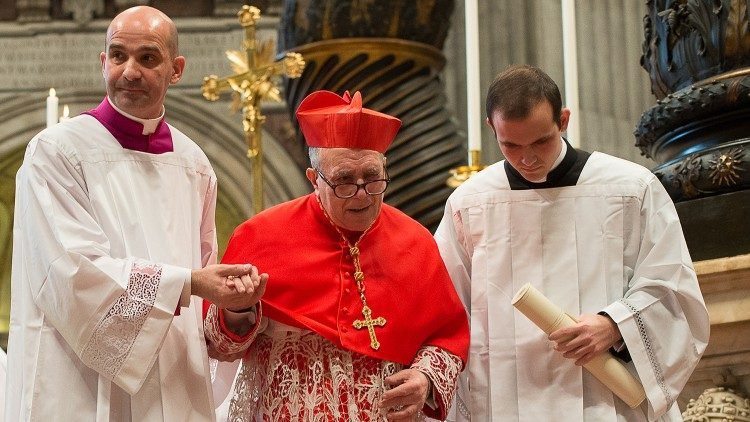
(592, 335)
(237, 286)
(409, 388)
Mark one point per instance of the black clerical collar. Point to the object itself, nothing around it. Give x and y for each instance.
(565, 174)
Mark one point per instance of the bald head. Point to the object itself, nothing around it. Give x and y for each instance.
(145, 20)
(140, 61)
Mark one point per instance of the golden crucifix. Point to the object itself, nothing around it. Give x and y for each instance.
(370, 324)
(253, 81)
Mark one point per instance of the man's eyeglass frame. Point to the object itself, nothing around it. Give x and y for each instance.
(359, 186)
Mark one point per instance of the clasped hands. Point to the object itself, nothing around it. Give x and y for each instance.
(234, 287)
(591, 336)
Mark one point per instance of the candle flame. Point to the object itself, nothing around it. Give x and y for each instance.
(66, 111)
(52, 92)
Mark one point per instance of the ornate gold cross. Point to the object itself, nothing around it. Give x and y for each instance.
(253, 81)
(370, 324)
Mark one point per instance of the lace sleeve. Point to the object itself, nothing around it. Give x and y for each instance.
(222, 342)
(442, 368)
(114, 336)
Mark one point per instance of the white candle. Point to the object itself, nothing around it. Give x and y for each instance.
(66, 113)
(52, 103)
(570, 64)
(473, 94)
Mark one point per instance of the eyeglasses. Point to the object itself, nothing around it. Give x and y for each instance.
(347, 190)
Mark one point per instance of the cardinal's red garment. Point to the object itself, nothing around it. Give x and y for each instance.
(312, 287)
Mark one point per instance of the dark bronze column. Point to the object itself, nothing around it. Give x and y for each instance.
(697, 53)
(391, 52)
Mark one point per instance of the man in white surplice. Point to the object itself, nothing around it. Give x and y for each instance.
(114, 232)
(600, 237)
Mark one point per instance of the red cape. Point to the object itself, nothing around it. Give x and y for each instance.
(311, 283)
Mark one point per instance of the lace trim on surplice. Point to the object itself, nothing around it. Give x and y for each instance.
(114, 336)
(300, 376)
(219, 342)
(652, 358)
(443, 369)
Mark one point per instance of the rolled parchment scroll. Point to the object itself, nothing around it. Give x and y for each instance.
(605, 367)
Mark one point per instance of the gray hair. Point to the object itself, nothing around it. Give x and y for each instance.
(315, 161)
(314, 154)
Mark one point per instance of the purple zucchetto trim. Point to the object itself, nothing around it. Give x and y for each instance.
(129, 133)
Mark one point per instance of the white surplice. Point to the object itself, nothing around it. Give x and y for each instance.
(611, 243)
(103, 243)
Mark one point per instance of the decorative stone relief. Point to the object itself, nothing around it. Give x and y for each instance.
(718, 405)
(83, 10)
(71, 60)
(51, 60)
(205, 53)
(33, 10)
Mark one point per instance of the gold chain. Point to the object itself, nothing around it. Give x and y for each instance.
(359, 277)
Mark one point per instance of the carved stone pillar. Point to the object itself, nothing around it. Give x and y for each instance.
(390, 51)
(697, 53)
(33, 10)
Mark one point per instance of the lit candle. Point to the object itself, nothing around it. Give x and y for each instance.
(473, 95)
(51, 108)
(570, 66)
(66, 113)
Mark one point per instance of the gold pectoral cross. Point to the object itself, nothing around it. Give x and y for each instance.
(370, 324)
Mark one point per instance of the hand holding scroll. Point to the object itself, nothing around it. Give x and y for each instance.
(605, 367)
(590, 336)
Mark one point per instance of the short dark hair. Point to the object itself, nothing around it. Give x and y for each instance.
(519, 88)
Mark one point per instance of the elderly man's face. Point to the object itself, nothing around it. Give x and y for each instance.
(343, 165)
(138, 66)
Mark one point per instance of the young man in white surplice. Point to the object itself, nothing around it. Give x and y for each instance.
(597, 235)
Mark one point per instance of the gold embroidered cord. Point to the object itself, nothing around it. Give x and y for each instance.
(359, 276)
